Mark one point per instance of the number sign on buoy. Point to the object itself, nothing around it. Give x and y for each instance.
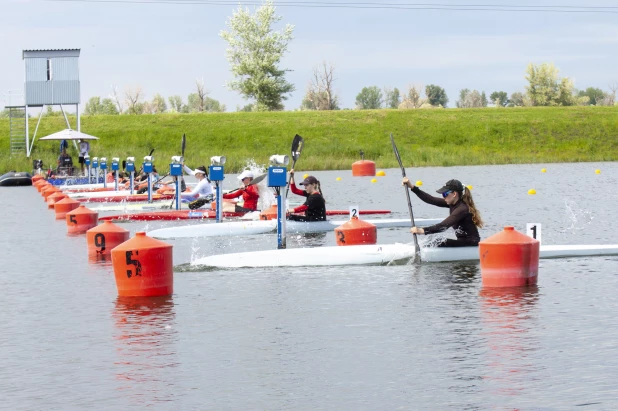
(534, 231)
(354, 211)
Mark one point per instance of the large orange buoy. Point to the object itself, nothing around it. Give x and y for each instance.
(143, 267)
(62, 207)
(43, 186)
(270, 213)
(102, 238)
(54, 198)
(355, 232)
(37, 177)
(81, 220)
(38, 184)
(46, 192)
(363, 168)
(509, 259)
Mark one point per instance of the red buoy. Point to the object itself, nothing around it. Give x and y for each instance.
(38, 185)
(270, 213)
(62, 207)
(355, 232)
(143, 267)
(81, 220)
(37, 177)
(102, 238)
(363, 168)
(509, 259)
(54, 198)
(46, 192)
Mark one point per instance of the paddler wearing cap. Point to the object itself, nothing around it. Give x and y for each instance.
(463, 215)
(248, 192)
(202, 193)
(314, 207)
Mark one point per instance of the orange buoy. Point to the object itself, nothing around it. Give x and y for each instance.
(270, 213)
(143, 267)
(364, 168)
(355, 232)
(81, 220)
(38, 184)
(228, 205)
(43, 185)
(62, 207)
(48, 191)
(102, 238)
(54, 198)
(509, 259)
(37, 177)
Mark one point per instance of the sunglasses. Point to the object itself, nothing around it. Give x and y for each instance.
(446, 194)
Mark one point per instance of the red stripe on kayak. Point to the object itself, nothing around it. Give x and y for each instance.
(129, 198)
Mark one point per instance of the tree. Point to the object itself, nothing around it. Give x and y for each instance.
(255, 52)
(93, 106)
(369, 98)
(483, 99)
(436, 96)
(201, 94)
(133, 97)
(108, 107)
(470, 99)
(413, 98)
(499, 98)
(175, 103)
(158, 104)
(392, 97)
(213, 106)
(517, 99)
(320, 94)
(545, 88)
(596, 95)
(116, 99)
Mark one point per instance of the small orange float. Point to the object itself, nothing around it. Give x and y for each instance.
(102, 238)
(81, 220)
(62, 207)
(509, 259)
(54, 198)
(143, 267)
(270, 213)
(355, 232)
(37, 177)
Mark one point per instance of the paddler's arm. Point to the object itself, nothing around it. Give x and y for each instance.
(452, 220)
(293, 187)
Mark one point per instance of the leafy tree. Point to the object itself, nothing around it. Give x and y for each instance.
(499, 98)
(158, 104)
(246, 108)
(545, 88)
(414, 98)
(369, 98)
(108, 107)
(517, 99)
(470, 99)
(92, 106)
(436, 96)
(483, 99)
(596, 95)
(392, 97)
(95, 106)
(213, 106)
(175, 103)
(255, 52)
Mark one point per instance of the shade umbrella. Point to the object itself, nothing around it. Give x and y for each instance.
(69, 134)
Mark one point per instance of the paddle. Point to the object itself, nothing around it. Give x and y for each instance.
(256, 180)
(297, 148)
(417, 249)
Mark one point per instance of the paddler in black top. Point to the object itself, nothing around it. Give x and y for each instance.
(314, 207)
(463, 215)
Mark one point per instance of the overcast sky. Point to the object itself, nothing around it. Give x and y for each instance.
(164, 47)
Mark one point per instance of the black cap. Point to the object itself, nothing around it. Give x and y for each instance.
(309, 180)
(451, 185)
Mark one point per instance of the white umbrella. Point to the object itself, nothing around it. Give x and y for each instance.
(69, 134)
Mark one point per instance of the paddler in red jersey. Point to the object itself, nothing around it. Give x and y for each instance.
(315, 206)
(248, 192)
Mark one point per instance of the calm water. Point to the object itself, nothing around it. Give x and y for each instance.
(328, 338)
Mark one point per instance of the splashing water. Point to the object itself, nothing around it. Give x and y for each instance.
(577, 218)
(267, 197)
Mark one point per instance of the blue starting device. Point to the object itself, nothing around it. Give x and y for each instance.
(115, 168)
(216, 172)
(103, 164)
(277, 179)
(176, 171)
(87, 164)
(95, 166)
(130, 167)
(148, 168)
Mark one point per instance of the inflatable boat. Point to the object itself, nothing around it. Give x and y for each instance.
(13, 179)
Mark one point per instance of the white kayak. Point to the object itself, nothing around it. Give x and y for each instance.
(378, 254)
(270, 226)
(84, 186)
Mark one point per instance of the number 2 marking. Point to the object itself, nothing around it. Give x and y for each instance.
(354, 212)
(341, 236)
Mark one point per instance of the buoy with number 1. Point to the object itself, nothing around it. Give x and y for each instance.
(143, 267)
(102, 238)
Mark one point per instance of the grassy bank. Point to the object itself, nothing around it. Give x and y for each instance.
(333, 139)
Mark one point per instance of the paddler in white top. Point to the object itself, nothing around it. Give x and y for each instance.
(202, 193)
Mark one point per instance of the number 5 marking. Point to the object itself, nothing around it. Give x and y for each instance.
(72, 219)
(136, 263)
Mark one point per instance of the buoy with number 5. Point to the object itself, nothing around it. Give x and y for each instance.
(81, 220)
(356, 232)
(143, 267)
(102, 238)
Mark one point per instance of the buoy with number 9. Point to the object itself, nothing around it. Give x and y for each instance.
(102, 238)
(81, 220)
(355, 232)
(143, 267)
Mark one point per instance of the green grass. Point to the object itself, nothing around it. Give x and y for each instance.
(333, 139)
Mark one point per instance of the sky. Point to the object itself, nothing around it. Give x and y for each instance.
(163, 48)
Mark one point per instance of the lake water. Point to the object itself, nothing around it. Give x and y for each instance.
(328, 338)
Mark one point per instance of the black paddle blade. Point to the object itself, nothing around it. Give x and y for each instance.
(258, 179)
(297, 147)
(124, 164)
(403, 170)
(151, 151)
(183, 145)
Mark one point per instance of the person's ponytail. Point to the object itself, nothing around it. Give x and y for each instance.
(476, 215)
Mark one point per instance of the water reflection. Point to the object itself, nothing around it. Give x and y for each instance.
(102, 259)
(145, 338)
(510, 331)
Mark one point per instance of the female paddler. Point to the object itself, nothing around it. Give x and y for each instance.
(248, 192)
(314, 207)
(463, 215)
(202, 193)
